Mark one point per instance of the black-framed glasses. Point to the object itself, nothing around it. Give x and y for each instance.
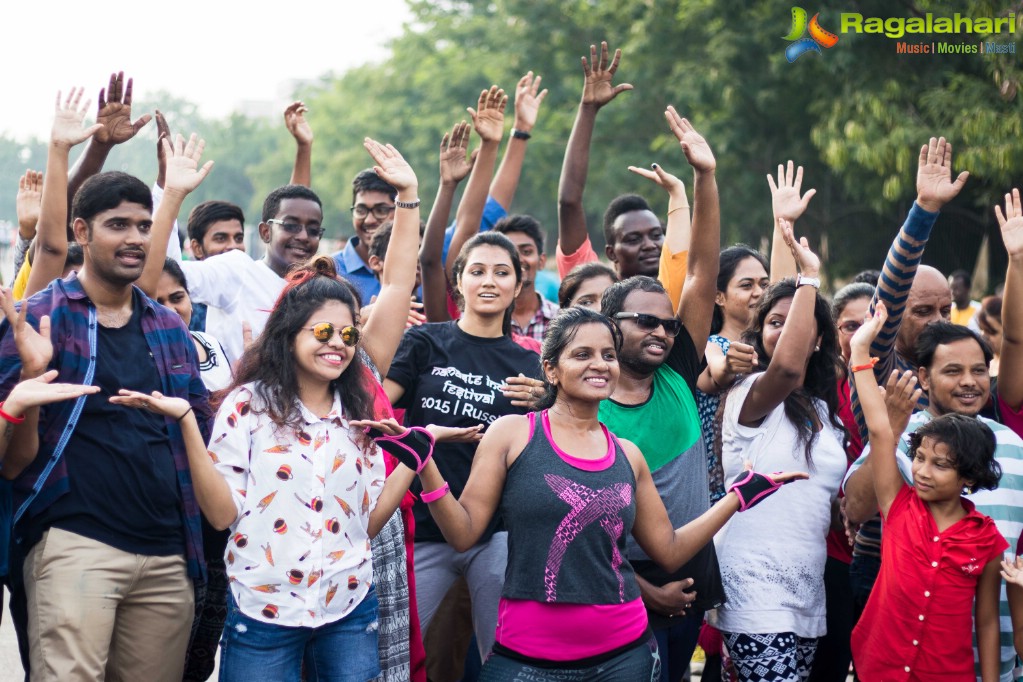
(672, 325)
(314, 231)
(324, 332)
(379, 211)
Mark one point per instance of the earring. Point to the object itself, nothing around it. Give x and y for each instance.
(968, 490)
(816, 348)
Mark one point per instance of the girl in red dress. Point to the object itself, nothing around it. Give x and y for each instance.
(939, 556)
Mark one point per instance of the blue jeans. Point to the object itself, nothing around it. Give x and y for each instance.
(677, 644)
(343, 651)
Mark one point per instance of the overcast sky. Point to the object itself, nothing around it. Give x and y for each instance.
(212, 52)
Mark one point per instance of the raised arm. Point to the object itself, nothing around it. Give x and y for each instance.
(298, 126)
(597, 91)
(387, 323)
(488, 121)
(672, 271)
(788, 205)
(696, 306)
(887, 478)
(454, 166)
(115, 116)
(50, 249)
(528, 98)
(788, 363)
(183, 175)
(1010, 369)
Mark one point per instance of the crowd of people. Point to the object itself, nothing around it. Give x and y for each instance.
(407, 461)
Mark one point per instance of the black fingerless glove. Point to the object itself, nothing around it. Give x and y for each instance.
(752, 487)
(412, 448)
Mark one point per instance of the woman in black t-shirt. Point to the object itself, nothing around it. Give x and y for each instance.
(455, 374)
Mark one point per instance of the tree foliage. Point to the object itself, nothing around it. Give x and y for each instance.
(854, 116)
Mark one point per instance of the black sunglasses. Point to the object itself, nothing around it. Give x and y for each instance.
(672, 326)
(324, 332)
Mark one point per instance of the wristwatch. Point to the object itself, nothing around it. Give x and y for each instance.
(815, 282)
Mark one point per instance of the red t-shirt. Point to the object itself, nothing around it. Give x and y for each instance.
(918, 623)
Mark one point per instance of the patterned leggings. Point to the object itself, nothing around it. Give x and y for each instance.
(773, 657)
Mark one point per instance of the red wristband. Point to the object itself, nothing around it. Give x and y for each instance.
(866, 365)
(435, 495)
(10, 417)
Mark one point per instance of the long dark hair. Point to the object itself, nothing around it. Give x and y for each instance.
(560, 332)
(270, 363)
(821, 380)
(727, 265)
(490, 238)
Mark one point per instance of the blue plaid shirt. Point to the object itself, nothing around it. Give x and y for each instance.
(74, 335)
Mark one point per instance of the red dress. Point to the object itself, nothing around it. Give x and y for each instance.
(918, 623)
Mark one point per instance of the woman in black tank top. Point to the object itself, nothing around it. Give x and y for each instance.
(570, 492)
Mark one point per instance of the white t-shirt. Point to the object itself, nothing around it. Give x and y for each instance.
(772, 556)
(237, 289)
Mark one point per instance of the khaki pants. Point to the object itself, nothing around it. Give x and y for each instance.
(97, 613)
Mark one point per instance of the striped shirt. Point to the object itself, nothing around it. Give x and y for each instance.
(1004, 505)
(74, 335)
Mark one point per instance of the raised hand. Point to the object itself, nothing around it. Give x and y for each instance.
(162, 132)
(115, 112)
(67, 128)
(661, 178)
(696, 149)
(488, 118)
(156, 402)
(183, 171)
(391, 166)
(785, 199)
(901, 394)
(934, 184)
(298, 126)
(597, 88)
(28, 201)
(34, 348)
(806, 260)
(1011, 224)
(40, 391)
(865, 335)
(528, 99)
(454, 165)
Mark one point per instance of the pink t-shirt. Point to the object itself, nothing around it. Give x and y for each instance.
(584, 254)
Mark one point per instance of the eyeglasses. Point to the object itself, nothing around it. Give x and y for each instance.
(324, 332)
(314, 231)
(672, 326)
(380, 211)
(850, 327)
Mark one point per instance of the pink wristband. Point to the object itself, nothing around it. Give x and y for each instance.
(435, 495)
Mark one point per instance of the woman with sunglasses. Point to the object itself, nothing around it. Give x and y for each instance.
(783, 415)
(293, 474)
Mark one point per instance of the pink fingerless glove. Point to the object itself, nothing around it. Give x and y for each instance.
(752, 487)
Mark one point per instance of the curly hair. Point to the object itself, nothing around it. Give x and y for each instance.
(972, 444)
(821, 380)
(270, 363)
